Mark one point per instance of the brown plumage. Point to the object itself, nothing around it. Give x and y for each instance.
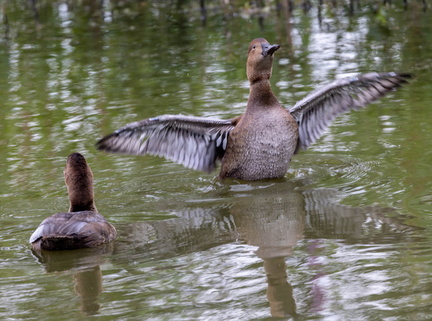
(260, 143)
(82, 226)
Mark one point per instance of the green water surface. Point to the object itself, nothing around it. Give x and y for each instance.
(346, 235)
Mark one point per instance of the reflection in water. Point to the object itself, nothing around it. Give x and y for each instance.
(272, 217)
(193, 231)
(85, 265)
(88, 285)
(275, 218)
(279, 291)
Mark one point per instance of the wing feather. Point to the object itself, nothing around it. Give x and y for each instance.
(66, 224)
(195, 142)
(316, 111)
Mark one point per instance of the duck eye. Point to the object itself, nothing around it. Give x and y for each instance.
(254, 46)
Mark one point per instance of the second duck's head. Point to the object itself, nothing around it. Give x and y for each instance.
(79, 181)
(260, 59)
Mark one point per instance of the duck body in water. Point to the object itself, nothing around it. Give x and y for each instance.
(82, 226)
(260, 143)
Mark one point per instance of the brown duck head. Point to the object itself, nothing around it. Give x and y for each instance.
(260, 60)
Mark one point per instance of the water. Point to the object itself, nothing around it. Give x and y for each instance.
(345, 235)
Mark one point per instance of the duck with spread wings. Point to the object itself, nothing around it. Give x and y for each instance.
(260, 143)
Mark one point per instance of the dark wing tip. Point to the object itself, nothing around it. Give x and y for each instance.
(107, 143)
(406, 75)
(400, 79)
(101, 143)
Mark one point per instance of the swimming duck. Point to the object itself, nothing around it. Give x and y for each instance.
(82, 226)
(260, 143)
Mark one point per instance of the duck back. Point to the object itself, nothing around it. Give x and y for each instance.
(72, 230)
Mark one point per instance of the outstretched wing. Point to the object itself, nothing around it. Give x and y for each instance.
(316, 111)
(195, 142)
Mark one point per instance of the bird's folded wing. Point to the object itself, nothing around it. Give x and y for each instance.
(66, 224)
(195, 142)
(316, 111)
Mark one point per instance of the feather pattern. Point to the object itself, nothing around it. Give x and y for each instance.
(316, 111)
(68, 224)
(195, 142)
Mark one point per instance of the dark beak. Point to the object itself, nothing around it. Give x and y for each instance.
(268, 50)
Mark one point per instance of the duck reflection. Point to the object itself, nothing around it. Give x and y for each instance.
(193, 230)
(275, 218)
(87, 275)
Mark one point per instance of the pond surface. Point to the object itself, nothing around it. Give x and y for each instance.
(346, 235)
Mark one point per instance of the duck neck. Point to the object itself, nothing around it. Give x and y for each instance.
(83, 207)
(81, 196)
(261, 95)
